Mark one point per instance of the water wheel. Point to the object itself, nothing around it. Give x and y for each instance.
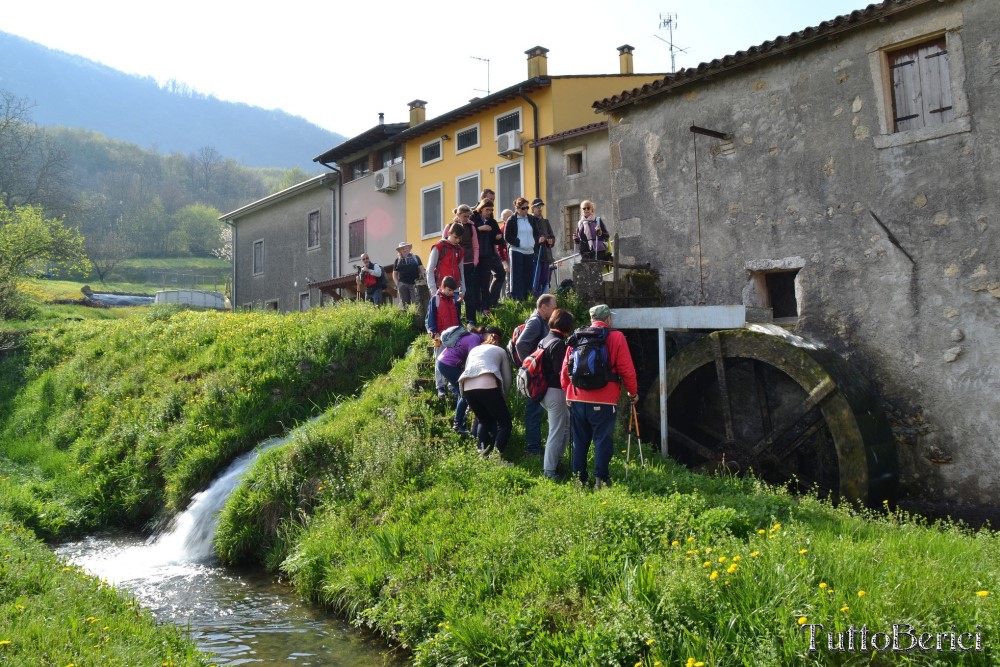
(791, 411)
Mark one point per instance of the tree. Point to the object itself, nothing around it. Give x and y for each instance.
(32, 166)
(196, 228)
(29, 242)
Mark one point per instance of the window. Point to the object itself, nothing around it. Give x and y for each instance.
(468, 189)
(356, 239)
(312, 238)
(304, 301)
(431, 211)
(258, 257)
(391, 155)
(467, 139)
(921, 85)
(780, 287)
(919, 72)
(271, 305)
(574, 162)
(772, 285)
(430, 152)
(508, 185)
(358, 169)
(508, 122)
(571, 217)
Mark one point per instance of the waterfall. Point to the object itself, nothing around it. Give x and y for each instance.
(189, 538)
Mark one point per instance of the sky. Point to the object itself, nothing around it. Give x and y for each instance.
(339, 63)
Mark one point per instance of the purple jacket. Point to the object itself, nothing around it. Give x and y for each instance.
(455, 356)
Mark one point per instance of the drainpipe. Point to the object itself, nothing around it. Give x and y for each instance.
(335, 215)
(534, 111)
(231, 224)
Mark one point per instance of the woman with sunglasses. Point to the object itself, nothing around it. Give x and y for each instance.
(591, 235)
(522, 237)
(490, 268)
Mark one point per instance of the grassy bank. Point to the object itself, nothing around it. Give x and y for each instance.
(383, 514)
(54, 615)
(105, 423)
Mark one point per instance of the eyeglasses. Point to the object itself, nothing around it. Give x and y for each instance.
(587, 208)
(522, 208)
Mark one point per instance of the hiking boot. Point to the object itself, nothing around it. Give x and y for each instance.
(600, 483)
(460, 429)
(555, 477)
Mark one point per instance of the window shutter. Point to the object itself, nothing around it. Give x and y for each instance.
(921, 86)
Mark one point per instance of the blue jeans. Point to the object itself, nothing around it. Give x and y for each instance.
(592, 421)
(451, 374)
(522, 272)
(533, 427)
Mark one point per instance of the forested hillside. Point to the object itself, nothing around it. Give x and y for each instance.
(70, 91)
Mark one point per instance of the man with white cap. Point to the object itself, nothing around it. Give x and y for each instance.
(406, 270)
(597, 359)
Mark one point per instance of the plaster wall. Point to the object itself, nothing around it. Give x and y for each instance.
(288, 263)
(384, 214)
(895, 238)
(566, 191)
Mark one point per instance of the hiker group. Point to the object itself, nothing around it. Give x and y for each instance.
(574, 377)
(488, 257)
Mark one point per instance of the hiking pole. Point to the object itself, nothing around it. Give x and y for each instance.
(638, 438)
(628, 448)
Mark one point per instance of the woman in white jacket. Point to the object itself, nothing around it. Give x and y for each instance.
(485, 383)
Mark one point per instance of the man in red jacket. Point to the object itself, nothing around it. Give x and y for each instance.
(594, 355)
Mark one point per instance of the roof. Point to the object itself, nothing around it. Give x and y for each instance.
(298, 188)
(366, 139)
(336, 283)
(569, 134)
(475, 106)
(873, 13)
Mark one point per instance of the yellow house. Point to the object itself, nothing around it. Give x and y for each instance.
(489, 142)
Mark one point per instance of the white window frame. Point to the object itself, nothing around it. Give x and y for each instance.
(508, 165)
(582, 152)
(949, 25)
(435, 233)
(507, 112)
(319, 230)
(479, 139)
(364, 240)
(253, 256)
(465, 177)
(440, 152)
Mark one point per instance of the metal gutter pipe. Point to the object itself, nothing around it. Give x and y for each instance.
(335, 215)
(534, 108)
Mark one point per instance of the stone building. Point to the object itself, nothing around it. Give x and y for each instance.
(845, 176)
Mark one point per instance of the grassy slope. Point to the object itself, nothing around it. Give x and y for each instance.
(105, 422)
(382, 513)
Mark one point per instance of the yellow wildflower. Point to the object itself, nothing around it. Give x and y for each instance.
(690, 539)
(675, 543)
(5, 642)
(982, 594)
(761, 531)
(803, 620)
(737, 559)
(822, 584)
(714, 575)
(861, 594)
(722, 559)
(731, 569)
(803, 552)
(777, 526)
(845, 609)
(657, 663)
(707, 563)
(650, 641)
(754, 554)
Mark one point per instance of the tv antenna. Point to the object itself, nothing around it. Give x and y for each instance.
(487, 61)
(669, 21)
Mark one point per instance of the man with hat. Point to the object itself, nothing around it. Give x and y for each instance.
(406, 270)
(592, 408)
(547, 239)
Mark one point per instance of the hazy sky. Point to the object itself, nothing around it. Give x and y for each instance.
(339, 63)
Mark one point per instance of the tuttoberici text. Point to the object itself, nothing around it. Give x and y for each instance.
(902, 638)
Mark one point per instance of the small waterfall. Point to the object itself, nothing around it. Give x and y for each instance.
(189, 539)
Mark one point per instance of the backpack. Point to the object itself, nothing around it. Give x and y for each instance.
(588, 366)
(451, 335)
(512, 345)
(381, 282)
(531, 376)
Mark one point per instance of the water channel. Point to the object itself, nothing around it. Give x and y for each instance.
(242, 617)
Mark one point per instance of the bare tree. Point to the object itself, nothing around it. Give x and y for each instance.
(32, 166)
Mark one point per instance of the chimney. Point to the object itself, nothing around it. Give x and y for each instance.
(537, 62)
(381, 118)
(418, 112)
(625, 59)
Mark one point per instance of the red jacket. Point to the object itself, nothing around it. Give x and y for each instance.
(621, 365)
(449, 261)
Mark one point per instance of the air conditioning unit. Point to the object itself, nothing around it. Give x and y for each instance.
(385, 180)
(509, 143)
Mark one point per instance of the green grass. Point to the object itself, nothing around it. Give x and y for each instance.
(380, 513)
(53, 614)
(112, 422)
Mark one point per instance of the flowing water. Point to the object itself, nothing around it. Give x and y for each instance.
(242, 617)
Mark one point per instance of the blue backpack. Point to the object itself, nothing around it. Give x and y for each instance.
(589, 367)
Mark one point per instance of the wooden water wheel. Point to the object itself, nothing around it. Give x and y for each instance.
(791, 411)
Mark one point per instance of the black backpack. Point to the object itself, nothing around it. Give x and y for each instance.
(382, 282)
(589, 365)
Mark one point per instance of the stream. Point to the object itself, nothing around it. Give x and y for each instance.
(242, 617)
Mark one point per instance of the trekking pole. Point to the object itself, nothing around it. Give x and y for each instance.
(628, 448)
(638, 439)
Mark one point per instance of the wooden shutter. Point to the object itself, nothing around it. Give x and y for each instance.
(921, 85)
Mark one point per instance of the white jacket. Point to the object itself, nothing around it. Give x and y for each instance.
(488, 359)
